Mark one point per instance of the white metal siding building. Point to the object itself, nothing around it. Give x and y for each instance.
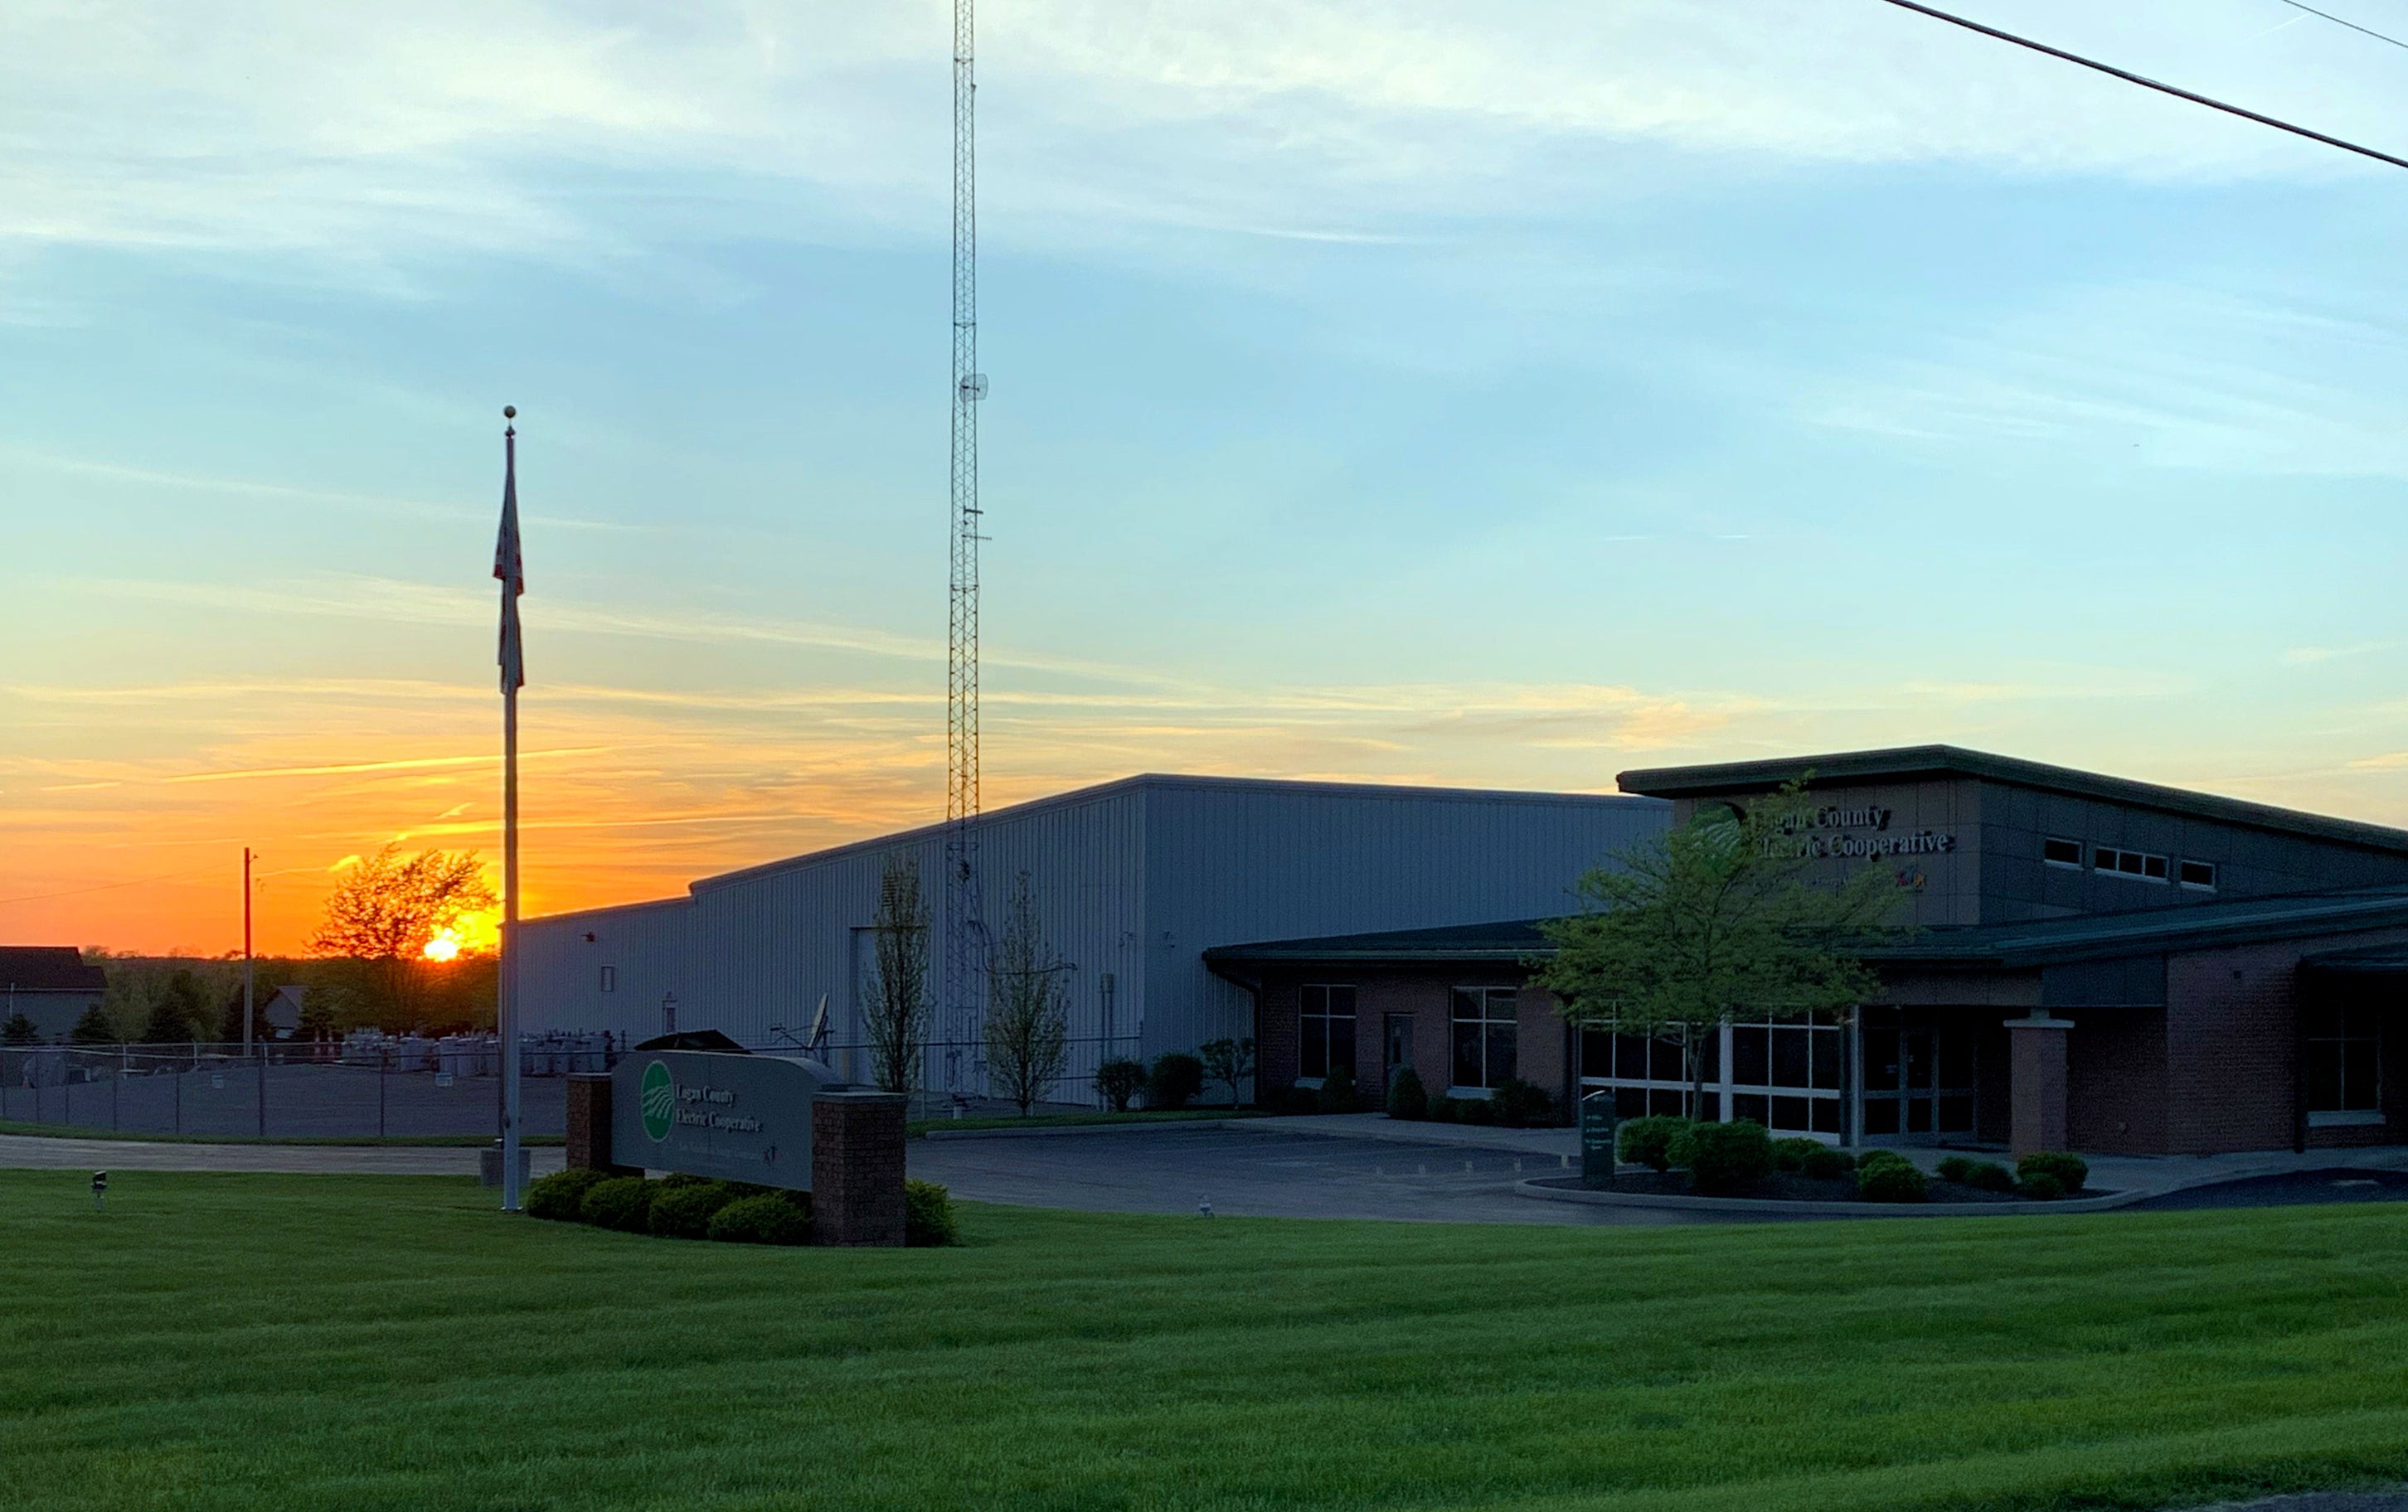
(1133, 880)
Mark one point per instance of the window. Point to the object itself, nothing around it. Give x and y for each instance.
(1327, 1032)
(610, 979)
(2344, 1048)
(2131, 864)
(2062, 853)
(2199, 874)
(1486, 1032)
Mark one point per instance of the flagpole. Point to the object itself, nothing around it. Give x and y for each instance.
(506, 989)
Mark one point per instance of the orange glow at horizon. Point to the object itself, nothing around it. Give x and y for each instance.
(445, 945)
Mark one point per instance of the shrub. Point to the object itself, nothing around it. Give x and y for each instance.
(1791, 1154)
(2070, 1171)
(1523, 1105)
(2041, 1187)
(1649, 1141)
(1727, 1158)
(1893, 1180)
(1871, 1157)
(1337, 1091)
(623, 1203)
(1445, 1111)
(1407, 1097)
(1475, 1110)
(675, 1179)
(685, 1210)
(1825, 1163)
(1118, 1080)
(1990, 1175)
(1176, 1079)
(765, 1219)
(557, 1195)
(1300, 1100)
(929, 1215)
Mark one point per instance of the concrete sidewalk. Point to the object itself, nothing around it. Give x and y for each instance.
(31, 1152)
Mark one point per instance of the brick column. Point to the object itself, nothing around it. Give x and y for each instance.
(857, 1168)
(2036, 1085)
(589, 1123)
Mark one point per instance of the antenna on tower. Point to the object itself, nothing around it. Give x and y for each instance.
(964, 926)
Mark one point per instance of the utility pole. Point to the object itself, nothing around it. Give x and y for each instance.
(964, 926)
(249, 977)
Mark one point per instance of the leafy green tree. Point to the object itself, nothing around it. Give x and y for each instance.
(1027, 1032)
(97, 1026)
(19, 1030)
(385, 909)
(1683, 932)
(178, 1012)
(896, 1020)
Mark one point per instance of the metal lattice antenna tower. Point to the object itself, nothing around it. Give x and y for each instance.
(965, 927)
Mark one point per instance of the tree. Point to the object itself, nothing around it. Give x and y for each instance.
(1229, 1061)
(178, 1013)
(897, 1020)
(1027, 1033)
(1118, 1080)
(385, 909)
(230, 1018)
(19, 1030)
(97, 1026)
(1681, 933)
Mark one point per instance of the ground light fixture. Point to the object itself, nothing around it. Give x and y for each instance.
(100, 1189)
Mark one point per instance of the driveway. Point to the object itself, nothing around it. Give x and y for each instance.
(1258, 1173)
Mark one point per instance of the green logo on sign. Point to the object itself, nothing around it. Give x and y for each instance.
(657, 1097)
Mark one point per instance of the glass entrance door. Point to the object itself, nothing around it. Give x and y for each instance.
(1918, 1075)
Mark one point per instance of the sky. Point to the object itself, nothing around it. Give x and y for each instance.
(1503, 395)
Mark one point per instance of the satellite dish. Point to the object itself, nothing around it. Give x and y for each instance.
(818, 1040)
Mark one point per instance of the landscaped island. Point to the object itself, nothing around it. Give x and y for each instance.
(1740, 1160)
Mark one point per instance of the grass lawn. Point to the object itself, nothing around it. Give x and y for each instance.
(364, 1343)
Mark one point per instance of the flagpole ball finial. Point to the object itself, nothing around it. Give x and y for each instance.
(510, 412)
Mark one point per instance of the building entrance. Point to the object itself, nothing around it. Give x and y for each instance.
(1918, 1076)
(1401, 1045)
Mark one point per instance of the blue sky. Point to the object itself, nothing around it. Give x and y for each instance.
(1393, 392)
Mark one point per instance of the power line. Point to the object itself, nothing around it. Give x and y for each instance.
(2130, 78)
(2351, 24)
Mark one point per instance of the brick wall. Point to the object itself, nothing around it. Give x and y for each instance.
(857, 1168)
(2116, 1081)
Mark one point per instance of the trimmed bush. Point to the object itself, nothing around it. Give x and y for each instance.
(1445, 1111)
(763, 1219)
(1175, 1081)
(1476, 1110)
(1524, 1105)
(1649, 1141)
(557, 1195)
(1791, 1154)
(1725, 1159)
(623, 1203)
(2040, 1187)
(1825, 1163)
(1893, 1180)
(1300, 1100)
(1118, 1080)
(1337, 1091)
(1990, 1175)
(929, 1215)
(1407, 1097)
(685, 1211)
(2070, 1171)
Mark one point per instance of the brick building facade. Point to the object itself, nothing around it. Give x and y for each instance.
(2099, 963)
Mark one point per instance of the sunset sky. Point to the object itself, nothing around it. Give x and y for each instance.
(1492, 395)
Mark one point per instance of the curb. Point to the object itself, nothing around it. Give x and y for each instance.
(1536, 1188)
(1059, 1129)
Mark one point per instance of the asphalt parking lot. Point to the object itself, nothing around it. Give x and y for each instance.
(1242, 1172)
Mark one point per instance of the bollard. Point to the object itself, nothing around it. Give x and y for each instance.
(100, 1189)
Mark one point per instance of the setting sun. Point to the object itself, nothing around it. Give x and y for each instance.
(443, 947)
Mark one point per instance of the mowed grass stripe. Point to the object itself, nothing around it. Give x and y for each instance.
(225, 1341)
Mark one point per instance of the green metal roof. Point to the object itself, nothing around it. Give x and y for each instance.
(1909, 763)
(2198, 926)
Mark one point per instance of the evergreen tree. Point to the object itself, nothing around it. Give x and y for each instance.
(97, 1027)
(177, 1017)
(19, 1030)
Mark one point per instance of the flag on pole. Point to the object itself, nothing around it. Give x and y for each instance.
(507, 567)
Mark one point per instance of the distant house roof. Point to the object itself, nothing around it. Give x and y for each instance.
(49, 968)
(2042, 942)
(1908, 764)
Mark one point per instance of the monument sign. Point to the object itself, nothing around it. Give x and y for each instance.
(742, 1117)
